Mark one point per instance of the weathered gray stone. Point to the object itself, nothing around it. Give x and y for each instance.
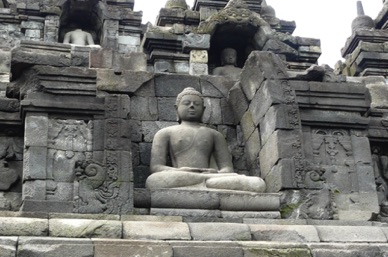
(249, 202)
(166, 109)
(219, 232)
(193, 251)
(252, 149)
(258, 67)
(213, 111)
(278, 146)
(238, 102)
(198, 69)
(35, 163)
(144, 108)
(186, 213)
(151, 218)
(30, 205)
(126, 81)
(247, 125)
(275, 251)
(117, 248)
(33, 190)
(281, 176)
(285, 233)
(269, 94)
(53, 247)
(84, 228)
(250, 215)
(36, 130)
(156, 230)
(10, 226)
(351, 234)
(171, 85)
(101, 58)
(8, 246)
(185, 199)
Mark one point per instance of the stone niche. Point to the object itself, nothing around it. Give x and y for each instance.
(85, 15)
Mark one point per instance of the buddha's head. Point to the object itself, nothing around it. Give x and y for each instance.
(229, 57)
(190, 105)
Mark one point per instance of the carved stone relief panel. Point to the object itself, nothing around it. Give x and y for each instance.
(69, 141)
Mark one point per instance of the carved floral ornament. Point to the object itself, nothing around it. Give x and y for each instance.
(236, 12)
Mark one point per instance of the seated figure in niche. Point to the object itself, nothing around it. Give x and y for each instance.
(191, 147)
(229, 65)
(78, 37)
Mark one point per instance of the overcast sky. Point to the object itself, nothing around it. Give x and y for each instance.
(328, 20)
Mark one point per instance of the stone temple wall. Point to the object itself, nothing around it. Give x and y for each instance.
(77, 125)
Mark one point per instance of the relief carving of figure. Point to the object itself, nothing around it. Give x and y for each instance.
(380, 165)
(229, 65)
(8, 176)
(191, 147)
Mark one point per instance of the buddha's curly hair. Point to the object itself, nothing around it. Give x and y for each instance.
(187, 91)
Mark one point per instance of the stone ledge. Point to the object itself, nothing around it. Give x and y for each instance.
(39, 246)
(155, 228)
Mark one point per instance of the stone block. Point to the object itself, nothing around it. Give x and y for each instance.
(149, 128)
(238, 102)
(126, 81)
(249, 202)
(194, 42)
(198, 69)
(249, 215)
(184, 199)
(220, 232)
(32, 189)
(280, 145)
(351, 234)
(47, 206)
(252, 149)
(145, 153)
(172, 84)
(271, 93)
(35, 163)
(63, 191)
(181, 67)
(191, 213)
(277, 117)
(269, 252)
(140, 174)
(151, 218)
(134, 61)
(156, 230)
(281, 176)
(195, 251)
(5, 65)
(284, 233)
(227, 113)
(10, 226)
(8, 246)
(136, 135)
(212, 114)
(101, 58)
(361, 150)
(53, 247)
(166, 108)
(144, 108)
(199, 56)
(247, 125)
(260, 66)
(84, 228)
(129, 40)
(216, 86)
(36, 128)
(116, 248)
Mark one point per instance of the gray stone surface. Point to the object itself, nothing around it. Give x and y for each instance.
(53, 247)
(156, 230)
(8, 246)
(23, 227)
(219, 232)
(192, 251)
(249, 202)
(351, 234)
(130, 248)
(195, 213)
(284, 233)
(238, 102)
(85, 228)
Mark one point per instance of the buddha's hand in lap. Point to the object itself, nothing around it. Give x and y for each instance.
(198, 170)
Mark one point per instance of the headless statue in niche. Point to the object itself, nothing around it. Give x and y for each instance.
(78, 37)
(229, 65)
(191, 147)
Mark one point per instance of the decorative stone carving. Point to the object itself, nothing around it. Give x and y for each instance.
(9, 150)
(380, 165)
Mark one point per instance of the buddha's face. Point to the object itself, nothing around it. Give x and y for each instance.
(190, 108)
(229, 56)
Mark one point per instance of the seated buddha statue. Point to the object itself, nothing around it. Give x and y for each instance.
(191, 148)
(229, 65)
(78, 37)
